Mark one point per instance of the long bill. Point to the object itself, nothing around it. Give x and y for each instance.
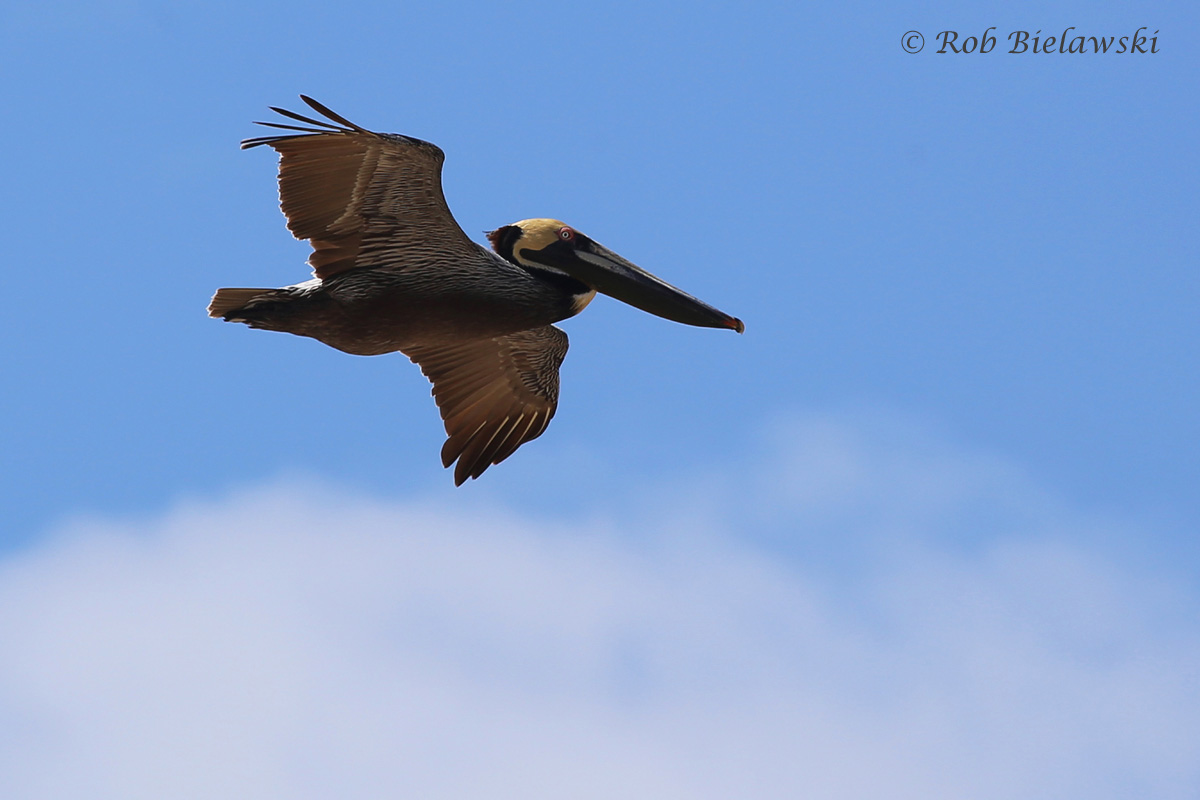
(608, 273)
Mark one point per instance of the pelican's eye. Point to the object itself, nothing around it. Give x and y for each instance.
(566, 234)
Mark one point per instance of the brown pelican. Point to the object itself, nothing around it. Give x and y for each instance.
(394, 271)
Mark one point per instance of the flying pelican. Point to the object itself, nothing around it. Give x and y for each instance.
(394, 271)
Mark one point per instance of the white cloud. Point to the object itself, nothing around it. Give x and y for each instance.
(304, 642)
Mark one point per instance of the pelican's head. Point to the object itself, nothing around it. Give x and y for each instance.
(548, 244)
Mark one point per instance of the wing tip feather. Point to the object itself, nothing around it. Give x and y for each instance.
(323, 109)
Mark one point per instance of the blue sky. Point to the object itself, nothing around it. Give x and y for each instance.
(969, 286)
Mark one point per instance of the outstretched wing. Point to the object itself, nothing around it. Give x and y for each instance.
(362, 199)
(494, 394)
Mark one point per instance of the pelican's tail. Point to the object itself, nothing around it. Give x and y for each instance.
(270, 309)
(226, 302)
(303, 309)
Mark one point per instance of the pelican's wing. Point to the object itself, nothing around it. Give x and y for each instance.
(362, 199)
(494, 394)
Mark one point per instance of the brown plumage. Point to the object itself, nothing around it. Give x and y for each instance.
(394, 271)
